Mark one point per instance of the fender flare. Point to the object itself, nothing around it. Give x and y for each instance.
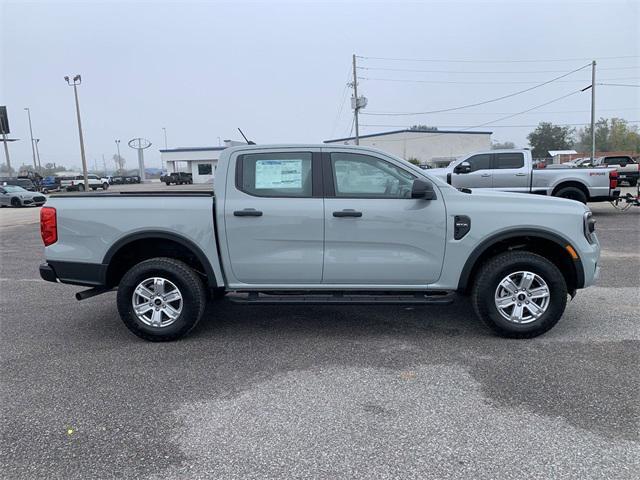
(558, 239)
(197, 251)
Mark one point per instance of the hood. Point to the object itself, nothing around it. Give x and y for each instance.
(524, 201)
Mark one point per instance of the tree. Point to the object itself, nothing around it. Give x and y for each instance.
(413, 160)
(503, 145)
(612, 135)
(548, 136)
(119, 161)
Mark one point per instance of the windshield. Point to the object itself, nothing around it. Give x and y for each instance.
(14, 189)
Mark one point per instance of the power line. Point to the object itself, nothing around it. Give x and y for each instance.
(485, 124)
(542, 113)
(618, 84)
(525, 72)
(492, 126)
(483, 102)
(395, 59)
(341, 107)
(481, 83)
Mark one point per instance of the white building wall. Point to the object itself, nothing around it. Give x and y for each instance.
(188, 160)
(426, 146)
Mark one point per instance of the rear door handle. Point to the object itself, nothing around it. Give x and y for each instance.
(347, 213)
(521, 174)
(247, 212)
(485, 175)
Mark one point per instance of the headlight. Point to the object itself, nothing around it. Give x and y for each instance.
(589, 227)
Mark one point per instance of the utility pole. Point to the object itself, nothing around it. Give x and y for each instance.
(37, 140)
(104, 165)
(593, 110)
(33, 148)
(5, 129)
(355, 104)
(77, 80)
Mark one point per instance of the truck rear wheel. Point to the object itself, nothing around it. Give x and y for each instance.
(519, 294)
(572, 193)
(161, 299)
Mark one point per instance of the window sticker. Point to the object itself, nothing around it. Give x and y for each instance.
(278, 174)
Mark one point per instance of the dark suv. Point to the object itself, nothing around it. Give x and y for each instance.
(178, 178)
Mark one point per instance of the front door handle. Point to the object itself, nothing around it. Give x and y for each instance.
(247, 212)
(521, 174)
(347, 213)
(484, 175)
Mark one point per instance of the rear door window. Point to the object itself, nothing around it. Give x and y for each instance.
(509, 160)
(275, 174)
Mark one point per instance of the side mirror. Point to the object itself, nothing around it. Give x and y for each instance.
(423, 189)
(464, 167)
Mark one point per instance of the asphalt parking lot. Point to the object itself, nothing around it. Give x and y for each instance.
(318, 392)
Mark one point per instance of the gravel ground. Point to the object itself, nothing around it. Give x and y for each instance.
(318, 391)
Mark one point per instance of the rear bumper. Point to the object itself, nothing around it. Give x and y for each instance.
(74, 273)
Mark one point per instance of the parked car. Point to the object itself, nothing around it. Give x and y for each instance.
(14, 196)
(512, 171)
(178, 178)
(25, 183)
(628, 169)
(322, 224)
(76, 182)
(50, 184)
(584, 162)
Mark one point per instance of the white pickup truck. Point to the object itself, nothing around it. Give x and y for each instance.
(512, 171)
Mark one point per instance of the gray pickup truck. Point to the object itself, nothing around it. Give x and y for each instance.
(315, 224)
(512, 171)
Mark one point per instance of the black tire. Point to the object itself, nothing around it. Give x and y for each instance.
(495, 270)
(633, 183)
(81, 187)
(572, 193)
(15, 202)
(183, 277)
(168, 183)
(105, 186)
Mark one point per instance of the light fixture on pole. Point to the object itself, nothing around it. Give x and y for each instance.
(74, 82)
(33, 148)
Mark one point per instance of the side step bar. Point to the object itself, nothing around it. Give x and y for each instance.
(350, 298)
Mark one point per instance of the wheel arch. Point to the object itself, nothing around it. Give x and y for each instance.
(551, 245)
(163, 239)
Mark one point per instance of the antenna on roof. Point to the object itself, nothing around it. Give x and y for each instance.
(249, 142)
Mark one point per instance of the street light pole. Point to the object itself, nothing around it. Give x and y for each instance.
(593, 110)
(33, 148)
(119, 158)
(37, 140)
(77, 80)
(165, 147)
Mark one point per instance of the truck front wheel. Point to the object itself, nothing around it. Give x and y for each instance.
(161, 299)
(519, 294)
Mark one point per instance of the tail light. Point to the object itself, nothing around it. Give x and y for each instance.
(48, 225)
(613, 179)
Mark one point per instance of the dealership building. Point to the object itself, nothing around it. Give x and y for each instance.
(431, 147)
(201, 162)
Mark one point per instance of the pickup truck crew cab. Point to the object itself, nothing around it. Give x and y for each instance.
(512, 171)
(315, 224)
